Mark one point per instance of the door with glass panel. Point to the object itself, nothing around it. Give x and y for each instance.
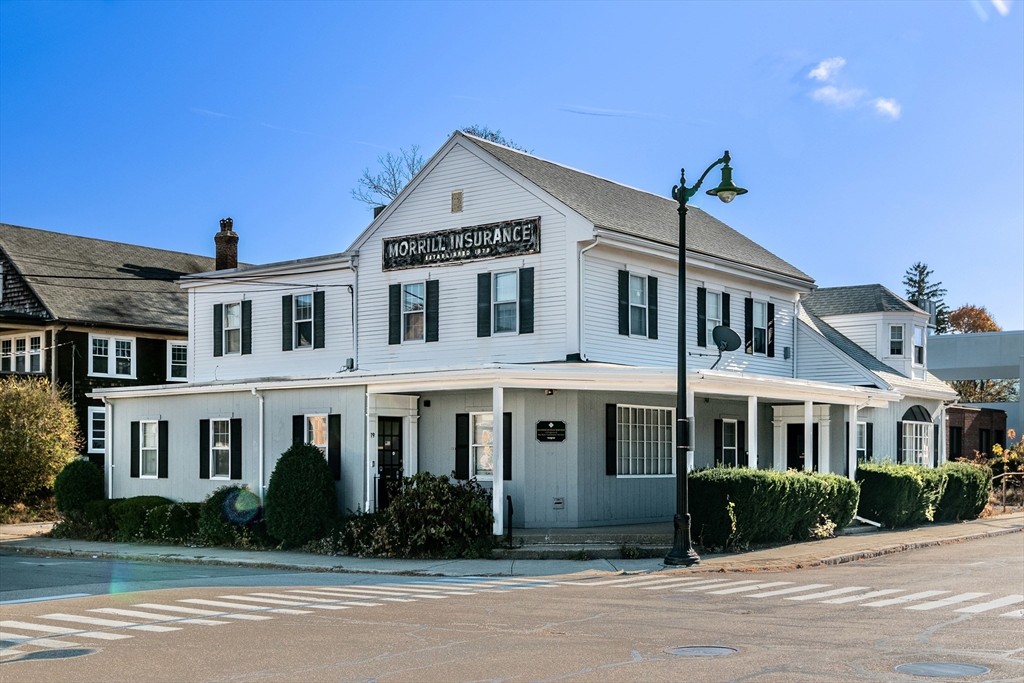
(389, 458)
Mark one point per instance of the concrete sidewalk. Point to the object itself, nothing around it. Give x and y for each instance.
(19, 538)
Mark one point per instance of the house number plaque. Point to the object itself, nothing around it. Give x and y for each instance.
(550, 430)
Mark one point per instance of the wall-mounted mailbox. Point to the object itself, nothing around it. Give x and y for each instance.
(559, 504)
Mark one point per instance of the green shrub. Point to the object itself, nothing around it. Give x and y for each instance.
(900, 495)
(933, 485)
(80, 482)
(967, 491)
(732, 507)
(301, 500)
(175, 523)
(231, 515)
(130, 516)
(97, 515)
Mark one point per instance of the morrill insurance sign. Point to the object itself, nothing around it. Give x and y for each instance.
(508, 238)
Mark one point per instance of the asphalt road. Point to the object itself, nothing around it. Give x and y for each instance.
(952, 604)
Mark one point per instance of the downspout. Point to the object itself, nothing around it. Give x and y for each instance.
(260, 397)
(354, 260)
(108, 440)
(580, 316)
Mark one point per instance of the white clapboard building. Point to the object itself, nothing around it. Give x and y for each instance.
(514, 320)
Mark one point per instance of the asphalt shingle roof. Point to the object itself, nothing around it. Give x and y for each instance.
(140, 291)
(828, 301)
(624, 209)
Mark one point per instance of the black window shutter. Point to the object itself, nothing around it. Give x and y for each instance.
(298, 429)
(433, 293)
(611, 437)
(870, 438)
(771, 330)
(814, 448)
(136, 452)
(719, 441)
(741, 444)
(462, 446)
(204, 449)
(218, 329)
(899, 443)
(624, 302)
(483, 305)
(526, 301)
(652, 307)
(236, 448)
(702, 316)
(725, 309)
(319, 334)
(394, 314)
(748, 325)
(935, 445)
(847, 441)
(161, 453)
(506, 446)
(246, 327)
(286, 322)
(334, 445)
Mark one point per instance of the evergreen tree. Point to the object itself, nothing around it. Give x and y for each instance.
(919, 286)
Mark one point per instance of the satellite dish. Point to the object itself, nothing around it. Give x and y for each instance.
(725, 339)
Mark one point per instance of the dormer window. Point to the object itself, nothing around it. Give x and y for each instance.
(919, 345)
(896, 340)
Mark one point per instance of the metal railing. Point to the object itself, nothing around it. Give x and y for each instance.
(1004, 476)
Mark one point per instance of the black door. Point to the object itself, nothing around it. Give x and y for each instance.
(389, 458)
(795, 446)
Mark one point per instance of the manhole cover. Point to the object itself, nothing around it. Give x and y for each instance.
(941, 669)
(66, 653)
(701, 651)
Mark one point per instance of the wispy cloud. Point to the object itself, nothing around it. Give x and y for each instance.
(844, 98)
(370, 144)
(207, 112)
(1002, 6)
(842, 95)
(594, 111)
(827, 69)
(887, 106)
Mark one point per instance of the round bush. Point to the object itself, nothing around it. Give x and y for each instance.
(226, 513)
(301, 500)
(80, 482)
(967, 490)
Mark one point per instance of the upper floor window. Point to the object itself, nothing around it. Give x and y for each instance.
(303, 321)
(5, 355)
(713, 308)
(919, 345)
(111, 356)
(760, 327)
(506, 302)
(177, 361)
(895, 340)
(637, 305)
(97, 429)
(21, 354)
(233, 328)
(413, 312)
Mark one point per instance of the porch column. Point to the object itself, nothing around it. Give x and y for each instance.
(943, 455)
(752, 432)
(808, 436)
(779, 446)
(690, 400)
(412, 449)
(824, 437)
(498, 459)
(851, 442)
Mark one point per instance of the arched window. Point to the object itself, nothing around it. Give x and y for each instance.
(915, 436)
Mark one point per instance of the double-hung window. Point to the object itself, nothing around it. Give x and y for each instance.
(506, 302)
(21, 354)
(111, 356)
(896, 340)
(730, 443)
(177, 361)
(413, 311)
(862, 442)
(303, 321)
(316, 431)
(6, 355)
(220, 449)
(232, 328)
(97, 430)
(919, 345)
(482, 446)
(148, 449)
(644, 440)
(760, 327)
(917, 438)
(637, 305)
(713, 308)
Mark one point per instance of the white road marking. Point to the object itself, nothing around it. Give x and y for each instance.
(670, 583)
(794, 589)
(390, 588)
(62, 630)
(352, 595)
(271, 601)
(903, 598)
(716, 583)
(755, 587)
(44, 599)
(1016, 614)
(828, 594)
(235, 605)
(340, 602)
(203, 612)
(374, 594)
(945, 602)
(290, 600)
(5, 651)
(34, 640)
(865, 596)
(614, 582)
(992, 604)
(108, 623)
(155, 617)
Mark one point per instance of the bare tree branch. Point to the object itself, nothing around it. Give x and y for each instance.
(395, 173)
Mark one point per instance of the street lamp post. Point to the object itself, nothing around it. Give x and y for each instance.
(682, 552)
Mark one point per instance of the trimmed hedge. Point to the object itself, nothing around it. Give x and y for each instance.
(967, 491)
(79, 483)
(901, 495)
(301, 499)
(130, 515)
(732, 507)
(176, 522)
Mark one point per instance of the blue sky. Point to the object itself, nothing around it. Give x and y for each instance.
(871, 135)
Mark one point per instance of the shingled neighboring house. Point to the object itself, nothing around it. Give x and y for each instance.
(90, 313)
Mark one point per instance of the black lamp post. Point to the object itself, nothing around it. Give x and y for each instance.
(682, 552)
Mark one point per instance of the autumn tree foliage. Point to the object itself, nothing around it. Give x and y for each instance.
(969, 319)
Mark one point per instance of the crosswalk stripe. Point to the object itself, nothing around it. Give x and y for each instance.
(157, 617)
(828, 594)
(361, 603)
(19, 639)
(373, 595)
(306, 602)
(108, 623)
(396, 589)
(794, 589)
(63, 630)
(864, 596)
(366, 596)
(272, 601)
(614, 582)
(1016, 614)
(716, 583)
(903, 598)
(670, 583)
(992, 604)
(744, 589)
(952, 600)
(6, 651)
(236, 605)
(203, 612)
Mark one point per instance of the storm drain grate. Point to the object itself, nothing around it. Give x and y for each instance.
(941, 669)
(701, 651)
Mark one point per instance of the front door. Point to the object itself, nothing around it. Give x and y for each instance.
(795, 447)
(389, 458)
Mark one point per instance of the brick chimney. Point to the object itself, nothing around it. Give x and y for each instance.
(227, 245)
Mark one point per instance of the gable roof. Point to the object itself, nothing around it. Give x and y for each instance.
(624, 209)
(828, 301)
(86, 280)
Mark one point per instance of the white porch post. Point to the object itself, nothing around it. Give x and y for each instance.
(943, 455)
(824, 450)
(779, 446)
(412, 447)
(851, 442)
(808, 436)
(752, 432)
(497, 440)
(690, 400)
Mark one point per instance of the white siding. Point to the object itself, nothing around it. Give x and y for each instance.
(488, 196)
(864, 336)
(820, 361)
